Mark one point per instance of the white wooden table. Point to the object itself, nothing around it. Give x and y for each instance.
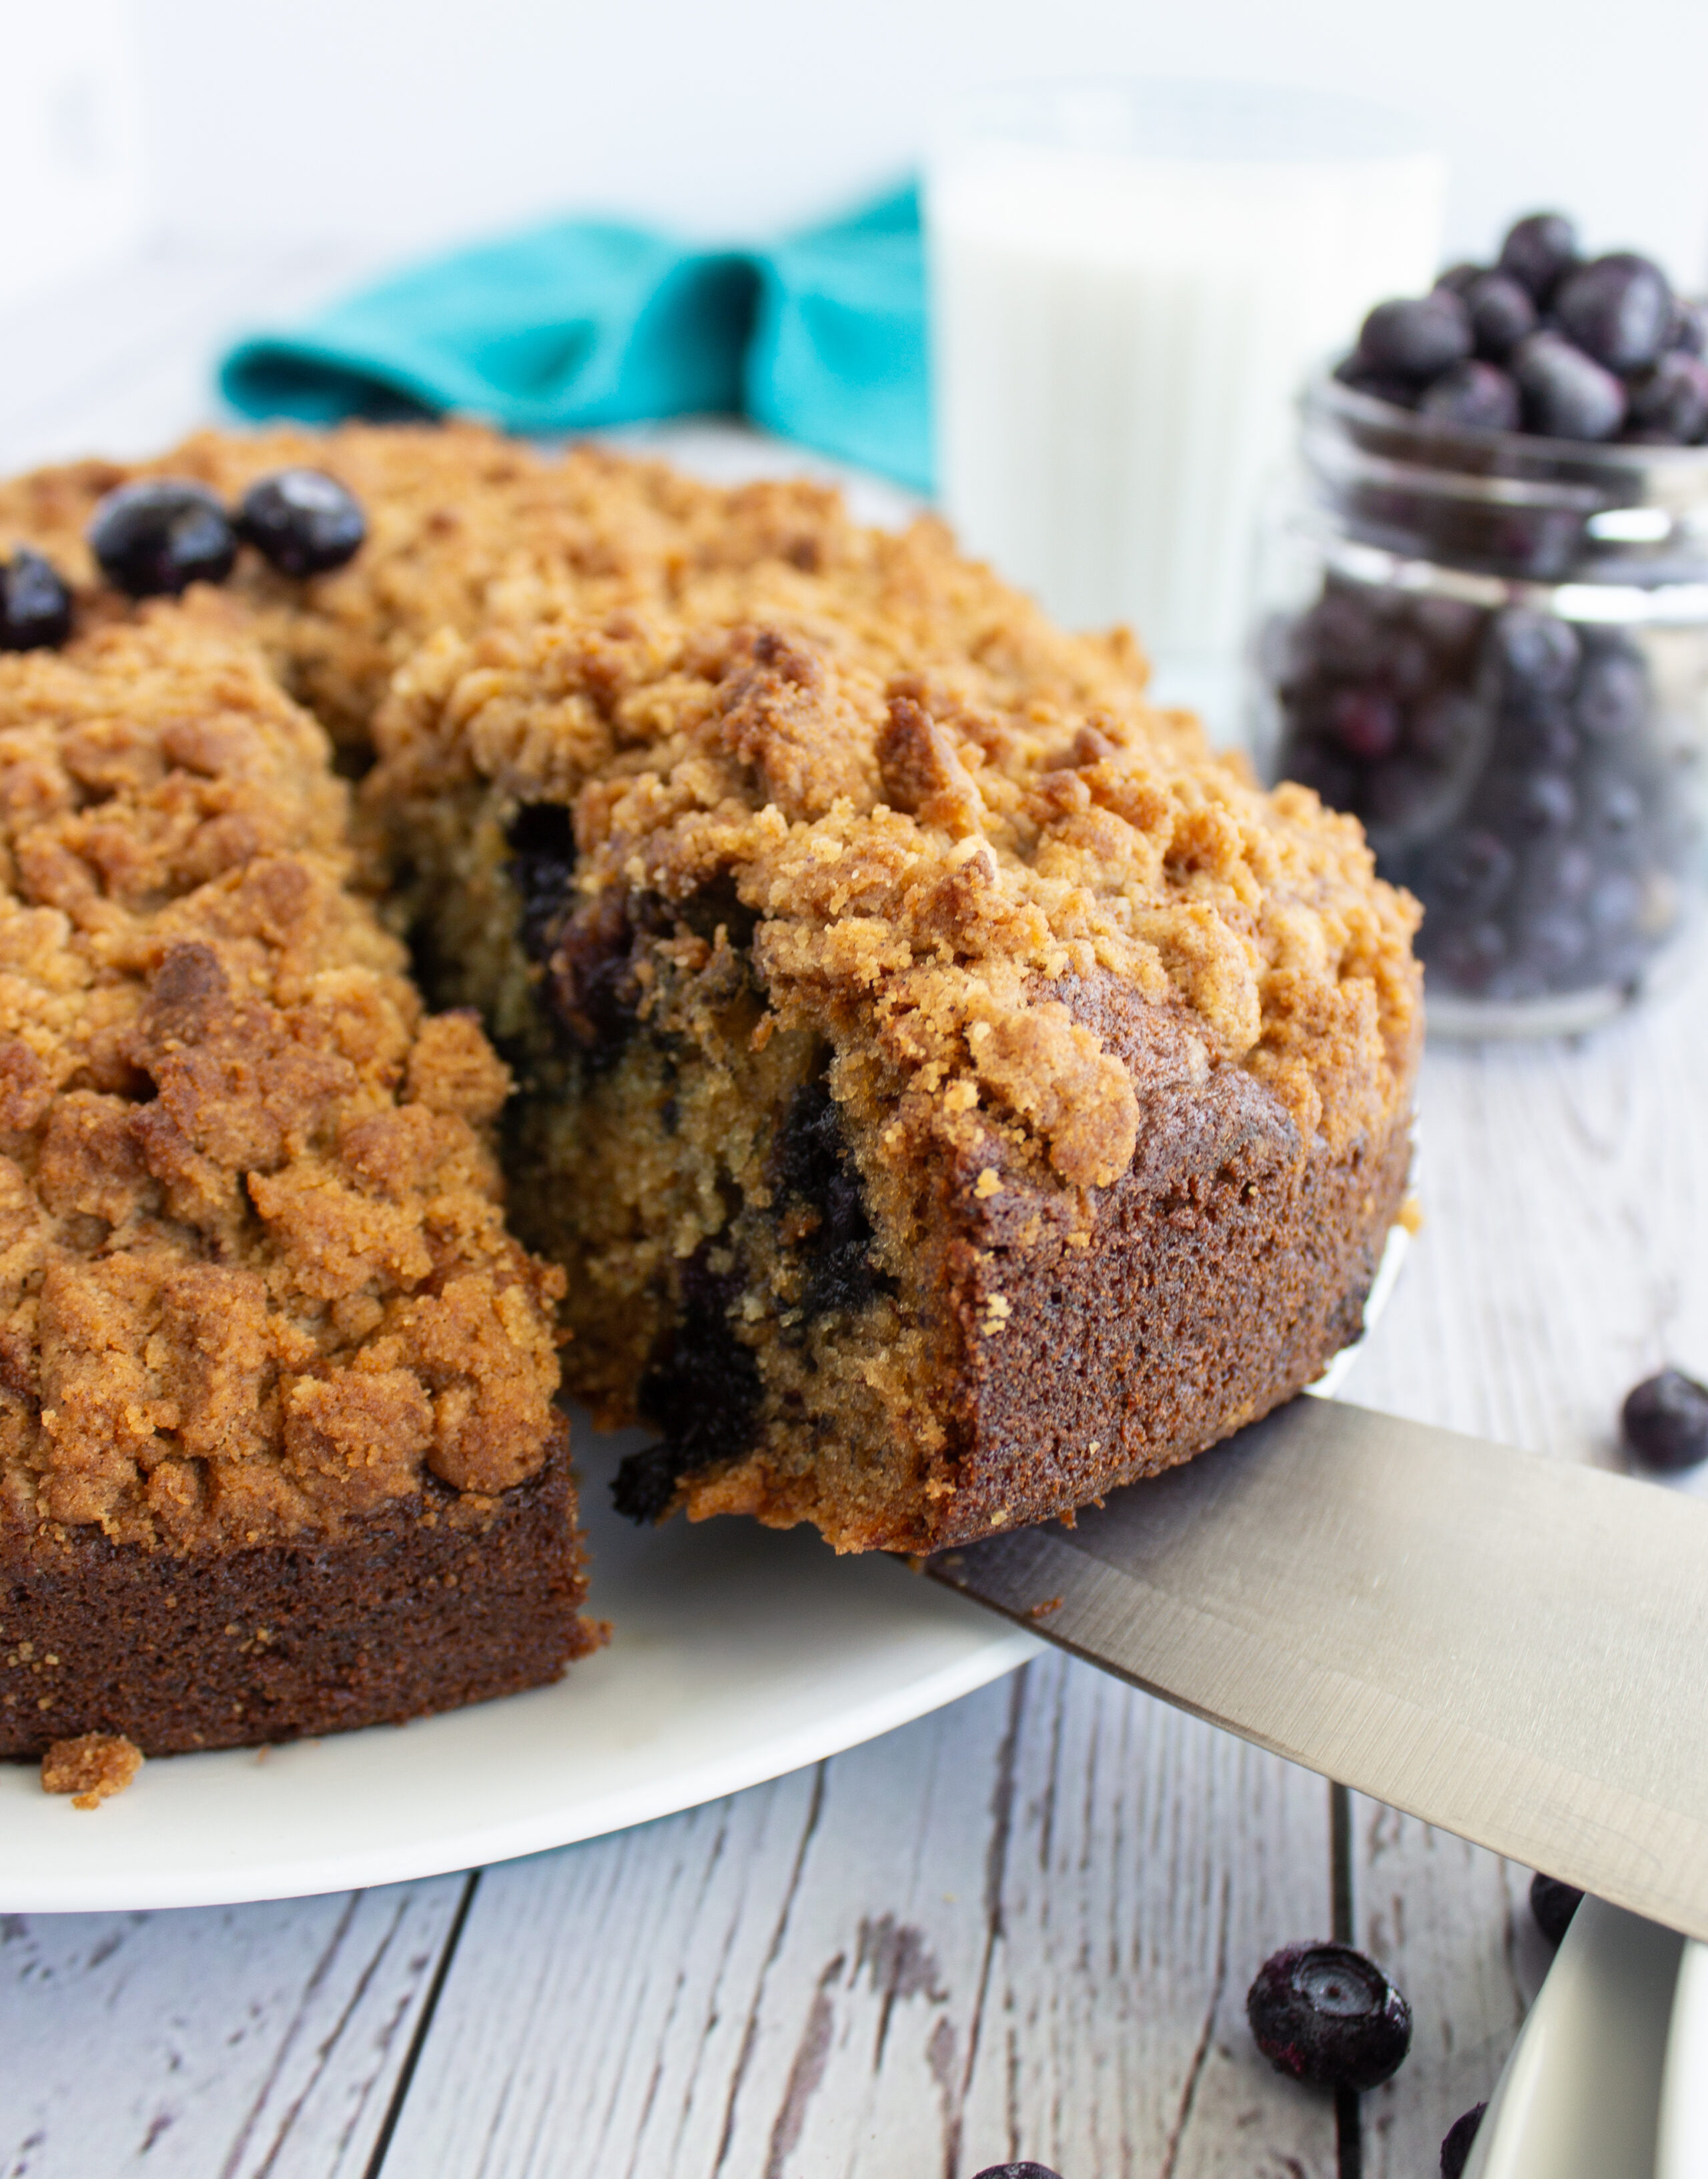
(1023, 1926)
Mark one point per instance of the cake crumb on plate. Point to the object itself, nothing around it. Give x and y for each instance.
(91, 1767)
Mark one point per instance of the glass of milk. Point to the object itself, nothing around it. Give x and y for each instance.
(1129, 282)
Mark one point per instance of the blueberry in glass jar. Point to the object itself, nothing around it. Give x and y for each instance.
(303, 521)
(1502, 314)
(1538, 250)
(1565, 393)
(1416, 339)
(1668, 405)
(1617, 310)
(1474, 394)
(155, 538)
(35, 603)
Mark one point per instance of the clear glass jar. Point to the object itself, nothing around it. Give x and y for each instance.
(1493, 649)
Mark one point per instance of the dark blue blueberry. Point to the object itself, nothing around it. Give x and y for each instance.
(1418, 336)
(303, 521)
(1401, 794)
(1689, 330)
(1502, 314)
(1619, 310)
(1363, 377)
(1615, 905)
(1455, 2143)
(1465, 955)
(1545, 802)
(1553, 1904)
(1329, 777)
(1539, 654)
(1448, 625)
(35, 603)
(155, 538)
(1477, 395)
(1459, 277)
(1613, 803)
(1340, 636)
(1366, 722)
(1326, 2015)
(1612, 700)
(1671, 401)
(1557, 873)
(1470, 871)
(1553, 941)
(1537, 250)
(1540, 735)
(1665, 1420)
(1446, 727)
(1016, 2171)
(1566, 394)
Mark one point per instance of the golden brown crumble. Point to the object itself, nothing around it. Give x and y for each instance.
(254, 1273)
(93, 1767)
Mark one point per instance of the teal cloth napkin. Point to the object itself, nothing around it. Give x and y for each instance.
(820, 338)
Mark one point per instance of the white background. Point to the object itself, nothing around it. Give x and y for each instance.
(405, 123)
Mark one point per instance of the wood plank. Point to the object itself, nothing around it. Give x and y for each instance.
(1025, 1926)
(241, 2040)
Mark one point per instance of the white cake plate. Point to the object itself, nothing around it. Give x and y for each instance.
(739, 1654)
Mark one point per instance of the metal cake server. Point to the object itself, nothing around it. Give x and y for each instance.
(1513, 1647)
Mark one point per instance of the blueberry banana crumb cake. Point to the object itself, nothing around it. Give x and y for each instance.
(950, 1090)
(278, 1450)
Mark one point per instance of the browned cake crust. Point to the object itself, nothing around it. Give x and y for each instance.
(420, 1609)
(263, 1333)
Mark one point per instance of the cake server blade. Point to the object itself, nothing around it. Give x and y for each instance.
(1515, 1649)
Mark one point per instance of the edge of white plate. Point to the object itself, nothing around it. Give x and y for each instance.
(1579, 2095)
(757, 1760)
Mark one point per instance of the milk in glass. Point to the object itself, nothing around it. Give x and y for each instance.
(1128, 285)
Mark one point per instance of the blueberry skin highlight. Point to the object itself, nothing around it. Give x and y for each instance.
(302, 521)
(1329, 2017)
(155, 538)
(35, 603)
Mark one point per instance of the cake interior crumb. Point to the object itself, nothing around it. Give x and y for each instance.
(91, 1769)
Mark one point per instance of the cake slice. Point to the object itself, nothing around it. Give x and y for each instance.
(278, 1453)
(950, 1090)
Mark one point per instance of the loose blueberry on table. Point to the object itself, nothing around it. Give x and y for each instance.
(1545, 343)
(1665, 1421)
(1455, 2143)
(1553, 1905)
(303, 521)
(1329, 2017)
(1016, 2171)
(155, 538)
(35, 603)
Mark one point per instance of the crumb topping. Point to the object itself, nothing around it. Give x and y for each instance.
(92, 1768)
(933, 846)
(253, 1275)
